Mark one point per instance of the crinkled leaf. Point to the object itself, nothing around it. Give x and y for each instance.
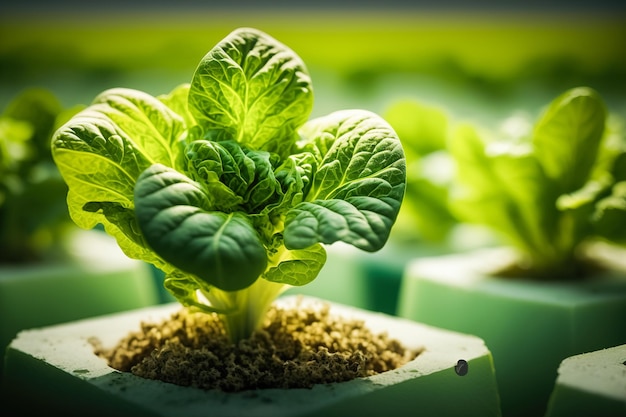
(223, 168)
(222, 249)
(243, 179)
(102, 151)
(252, 89)
(265, 188)
(298, 267)
(568, 136)
(359, 185)
(292, 177)
(177, 100)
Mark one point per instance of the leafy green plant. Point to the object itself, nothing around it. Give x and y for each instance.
(33, 212)
(551, 190)
(225, 185)
(423, 130)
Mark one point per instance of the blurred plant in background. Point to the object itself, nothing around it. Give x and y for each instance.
(33, 211)
(423, 130)
(426, 214)
(548, 187)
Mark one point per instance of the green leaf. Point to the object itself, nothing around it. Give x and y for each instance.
(610, 215)
(155, 129)
(252, 89)
(358, 188)
(102, 151)
(222, 249)
(568, 136)
(421, 128)
(224, 169)
(185, 288)
(243, 179)
(502, 186)
(426, 206)
(177, 101)
(297, 267)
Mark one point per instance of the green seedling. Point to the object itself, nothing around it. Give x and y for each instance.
(226, 185)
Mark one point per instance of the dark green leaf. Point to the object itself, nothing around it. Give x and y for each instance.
(222, 249)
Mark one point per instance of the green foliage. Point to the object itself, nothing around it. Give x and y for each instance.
(225, 184)
(33, 212)
(423, 130)
(550, 190)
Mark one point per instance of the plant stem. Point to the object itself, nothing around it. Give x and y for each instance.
(251, 304)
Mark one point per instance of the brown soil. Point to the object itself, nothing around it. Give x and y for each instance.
(296, 348)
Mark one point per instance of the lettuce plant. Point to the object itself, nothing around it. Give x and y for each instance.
(551, 190)
(226, 185)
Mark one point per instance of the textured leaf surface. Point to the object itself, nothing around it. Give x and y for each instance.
(357, 190)
(252, 89)
(102, 151)
(223, 249)
(298, 267)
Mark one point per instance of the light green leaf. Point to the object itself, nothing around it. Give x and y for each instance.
(297, 267)
(102, 151)
(222, 249)
(252, 89)
(422, 128)
(177, 101)
(502, 186)
(568, 136)
(426, 209)
(155, 129)
(185, 287)
(358, 188)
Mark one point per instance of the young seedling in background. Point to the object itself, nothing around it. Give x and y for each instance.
(551, 191)
(225, 184)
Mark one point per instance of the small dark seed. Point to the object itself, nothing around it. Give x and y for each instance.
(461, 367)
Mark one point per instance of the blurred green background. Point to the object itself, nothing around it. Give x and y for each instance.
(477, 59)
(481, 61)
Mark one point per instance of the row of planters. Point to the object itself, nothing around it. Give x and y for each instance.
(504, 259)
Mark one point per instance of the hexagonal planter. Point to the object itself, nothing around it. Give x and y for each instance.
(591, 383)
(529, 326)
(58, 365)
